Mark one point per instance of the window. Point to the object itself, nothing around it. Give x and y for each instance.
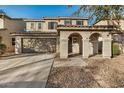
(13, 41)
(68, 22)
(79, 22)
(52, 25)
(32, 25)
(39, 25)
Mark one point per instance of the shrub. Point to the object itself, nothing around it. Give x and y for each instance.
(2, 48)
(115, 49)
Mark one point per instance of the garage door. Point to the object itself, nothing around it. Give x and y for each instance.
(38, 45)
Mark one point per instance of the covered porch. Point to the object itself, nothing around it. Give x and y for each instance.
(85, 40)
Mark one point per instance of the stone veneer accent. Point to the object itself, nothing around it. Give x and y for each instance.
(39, 45)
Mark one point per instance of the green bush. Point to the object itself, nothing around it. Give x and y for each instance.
(2, 48)
(115, 49)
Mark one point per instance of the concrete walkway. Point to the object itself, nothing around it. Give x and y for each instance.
(72, 61)
(77, 61)
(25, 71)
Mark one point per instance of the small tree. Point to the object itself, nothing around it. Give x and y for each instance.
(96, 13)
(2, 48)
(115, 49)
(101, 12)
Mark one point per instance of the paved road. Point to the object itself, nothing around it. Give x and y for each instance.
(27, 71)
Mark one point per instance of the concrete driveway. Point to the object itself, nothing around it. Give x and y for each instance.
(25, 71)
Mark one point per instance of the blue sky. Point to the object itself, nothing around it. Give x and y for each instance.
(37, 11)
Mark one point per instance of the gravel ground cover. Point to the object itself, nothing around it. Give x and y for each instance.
(71, 77)
(109, 71)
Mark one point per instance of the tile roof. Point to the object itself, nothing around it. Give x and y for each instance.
(66, 17)
(34, 33)
(93, 28)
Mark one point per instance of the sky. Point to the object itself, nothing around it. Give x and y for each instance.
(37, 11)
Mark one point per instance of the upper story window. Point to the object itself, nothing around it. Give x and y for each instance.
(79, 22)
(68, 22)
(39, 25)
(32, 25)
(52, 25)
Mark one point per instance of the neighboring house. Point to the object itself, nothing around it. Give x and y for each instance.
(116, 37)
(9, 25)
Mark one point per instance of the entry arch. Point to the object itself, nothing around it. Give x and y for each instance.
(96, 43)
(75, 44)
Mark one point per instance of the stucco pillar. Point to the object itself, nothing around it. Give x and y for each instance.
(18, 45)
(107, 48)
(86, 48)
(63, 48)
(57, 45)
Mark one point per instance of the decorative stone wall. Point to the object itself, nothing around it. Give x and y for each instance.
(40, 45)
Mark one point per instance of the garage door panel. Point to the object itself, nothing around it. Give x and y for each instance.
(32, 45)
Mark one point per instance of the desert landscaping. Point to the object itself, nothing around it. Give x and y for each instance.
(98, 73)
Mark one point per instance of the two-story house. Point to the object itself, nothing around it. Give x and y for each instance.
(66, 36)
(9, 25)
(42, 36)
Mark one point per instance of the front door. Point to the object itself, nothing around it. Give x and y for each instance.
(75, 45)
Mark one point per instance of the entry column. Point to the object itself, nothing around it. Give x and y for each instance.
(57, 45)
(63, 48)
(107, 48)
(86, 48)
(18, 45)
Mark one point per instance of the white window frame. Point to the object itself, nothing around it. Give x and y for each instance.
(80, 21)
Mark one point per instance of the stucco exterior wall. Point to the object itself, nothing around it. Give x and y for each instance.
(1, 23)
(28, 26)
(86, 49)
(11, 26)
(45, 24)
(103, 22)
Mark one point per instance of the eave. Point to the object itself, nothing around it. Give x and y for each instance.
(34, 33)
(85, 28)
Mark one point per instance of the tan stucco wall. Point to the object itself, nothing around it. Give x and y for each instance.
(1, 23)
(11, 26)
(86, 49)
(28, 26)
(45, 25)
(104, 22)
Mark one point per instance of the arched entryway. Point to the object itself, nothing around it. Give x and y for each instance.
(96, 44)
(74, 44)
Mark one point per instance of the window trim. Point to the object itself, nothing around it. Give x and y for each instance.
(50, 25)
(70, 22)
(80, 21)
(32, 25)
(39, 25)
